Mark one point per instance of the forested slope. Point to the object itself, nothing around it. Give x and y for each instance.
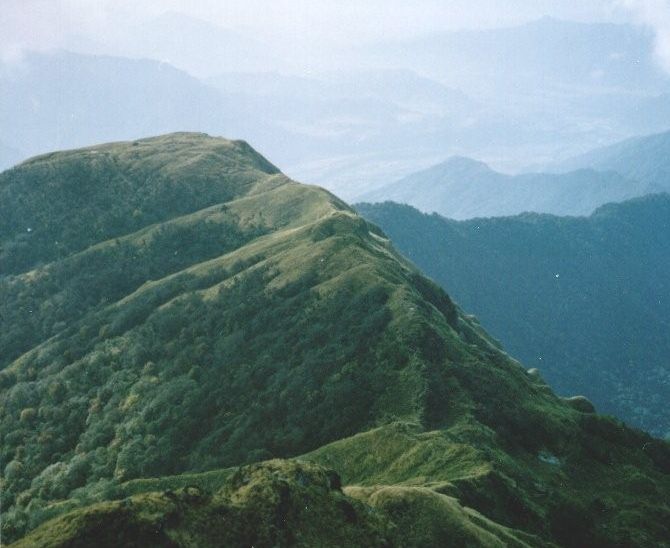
(201, 311)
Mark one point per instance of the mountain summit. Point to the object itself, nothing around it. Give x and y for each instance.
(464, 165)
(175, 308)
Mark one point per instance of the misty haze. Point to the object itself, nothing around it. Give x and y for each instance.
(335, 273)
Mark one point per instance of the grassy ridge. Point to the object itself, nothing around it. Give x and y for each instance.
(291, 328)
(285, 503)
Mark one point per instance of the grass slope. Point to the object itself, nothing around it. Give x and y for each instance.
(279, 503)
(202, 335)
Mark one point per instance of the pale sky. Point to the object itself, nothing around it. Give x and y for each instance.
(47, 24)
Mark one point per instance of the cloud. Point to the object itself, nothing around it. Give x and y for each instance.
(309, 32)
(656, 15)
(49, 24)
(42, 24)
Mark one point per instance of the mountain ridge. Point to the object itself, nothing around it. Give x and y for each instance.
(270, 321)
(637, 158)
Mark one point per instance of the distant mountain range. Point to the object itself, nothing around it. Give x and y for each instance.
(585, 300)
(315, 128)
(196, 46)
(644, 159)
(461, 188)
(352, 126)
(174, 310)
(580, 83)
(51, 101)
(558, 53)
(403, 88)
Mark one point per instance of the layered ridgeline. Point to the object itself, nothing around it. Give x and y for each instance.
(584, 299)
(643, 159)
(461, 188)
(174, 307)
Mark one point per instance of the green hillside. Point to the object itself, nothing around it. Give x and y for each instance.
(179, 308)
(583, 299)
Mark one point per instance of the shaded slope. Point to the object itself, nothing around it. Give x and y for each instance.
(305, 332)
(461, 188)
(583, 299)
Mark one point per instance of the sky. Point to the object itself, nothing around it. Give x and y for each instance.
(312, 34)
(323, 24)
(655, 14)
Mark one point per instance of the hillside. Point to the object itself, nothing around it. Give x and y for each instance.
(174, 307)
(461, 188)
(585, 300)
(645, 159)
